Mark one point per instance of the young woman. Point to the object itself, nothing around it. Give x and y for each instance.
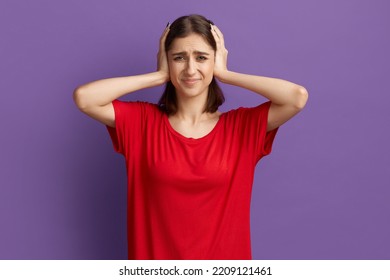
(190, 167)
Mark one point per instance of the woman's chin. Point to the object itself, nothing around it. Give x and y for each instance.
(191, 92)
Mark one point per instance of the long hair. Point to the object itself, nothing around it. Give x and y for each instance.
(180, 28)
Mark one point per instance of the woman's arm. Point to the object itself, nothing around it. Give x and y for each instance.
(287, 98)
(95, 98)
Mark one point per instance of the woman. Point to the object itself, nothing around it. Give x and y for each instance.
(190, 167)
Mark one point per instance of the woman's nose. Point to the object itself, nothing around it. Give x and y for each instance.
(191, 67)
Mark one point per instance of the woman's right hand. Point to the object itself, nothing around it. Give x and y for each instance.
(162, 60)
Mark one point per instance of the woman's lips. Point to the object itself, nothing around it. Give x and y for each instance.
(190, 81)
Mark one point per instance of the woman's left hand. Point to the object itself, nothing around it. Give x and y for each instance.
(221, 54)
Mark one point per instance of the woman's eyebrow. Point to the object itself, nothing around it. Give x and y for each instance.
(195, 52)
(202, 53)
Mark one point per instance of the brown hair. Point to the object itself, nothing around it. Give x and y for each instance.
(180, 28)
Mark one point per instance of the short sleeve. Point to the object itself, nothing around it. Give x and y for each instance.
(255, 121)
(128, 125)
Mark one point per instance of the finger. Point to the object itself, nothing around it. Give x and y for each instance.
(164, 36)
(215, 35)
(218, 36)
(218, 32)
(213, 31)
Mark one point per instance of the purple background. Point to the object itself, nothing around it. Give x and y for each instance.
(322, 194)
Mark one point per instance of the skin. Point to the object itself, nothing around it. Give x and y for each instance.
(185, 65)
(191, 62)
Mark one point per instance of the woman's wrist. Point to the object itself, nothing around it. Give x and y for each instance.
(162, 76)
(222, 75)
(156, 78)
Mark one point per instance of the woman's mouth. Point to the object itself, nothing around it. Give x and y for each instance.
(190, 82)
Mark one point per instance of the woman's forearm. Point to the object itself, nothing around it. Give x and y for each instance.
(280, 92)
(102, 92)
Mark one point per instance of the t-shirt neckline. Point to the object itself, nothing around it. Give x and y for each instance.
(190, 139)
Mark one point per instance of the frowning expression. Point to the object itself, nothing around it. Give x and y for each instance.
(191, 65)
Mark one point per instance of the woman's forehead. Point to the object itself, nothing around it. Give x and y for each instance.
(192, 42)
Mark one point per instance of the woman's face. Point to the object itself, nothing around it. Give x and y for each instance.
(191, 65)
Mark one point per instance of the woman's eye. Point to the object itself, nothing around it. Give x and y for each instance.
(178, 58)
(202, 57)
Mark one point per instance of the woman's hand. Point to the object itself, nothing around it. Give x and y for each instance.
(220, 67)
(162, 61)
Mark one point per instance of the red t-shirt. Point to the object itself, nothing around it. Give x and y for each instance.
(189, 198)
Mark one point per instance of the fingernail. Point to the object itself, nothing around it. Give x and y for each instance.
(167, 25)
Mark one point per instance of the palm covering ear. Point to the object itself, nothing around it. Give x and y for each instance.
(162, 60)
(221, 53)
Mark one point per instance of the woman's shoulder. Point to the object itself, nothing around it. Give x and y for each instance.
(136, 105)
(138, 109)
(243, 114)
(243, 110)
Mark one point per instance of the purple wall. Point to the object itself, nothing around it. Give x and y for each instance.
(322, 194)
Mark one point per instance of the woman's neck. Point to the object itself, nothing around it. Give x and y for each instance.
(191, 109)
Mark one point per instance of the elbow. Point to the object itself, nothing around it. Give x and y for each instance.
(301, 96)
(79, 98)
